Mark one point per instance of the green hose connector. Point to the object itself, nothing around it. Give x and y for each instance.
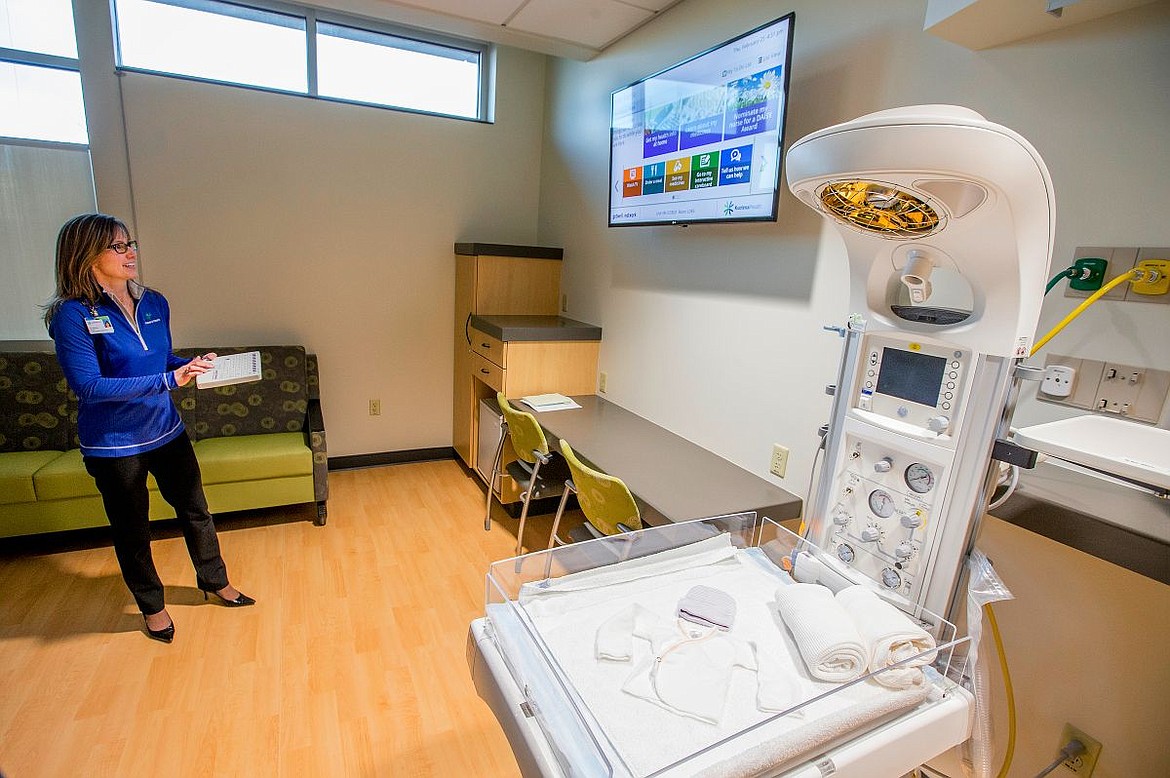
(1091, 274)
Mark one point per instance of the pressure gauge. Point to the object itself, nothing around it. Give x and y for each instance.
(845, 552)
(919, 478)
(891, 578)
(881, 503)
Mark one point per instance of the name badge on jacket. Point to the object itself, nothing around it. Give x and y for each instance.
(99, 325)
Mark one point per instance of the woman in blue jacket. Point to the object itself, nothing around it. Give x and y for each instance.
(113, 341)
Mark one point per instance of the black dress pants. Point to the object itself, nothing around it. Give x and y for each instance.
(122, 483)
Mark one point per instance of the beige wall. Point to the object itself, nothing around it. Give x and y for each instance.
(715, 330)
(270, 218)
(1086, 645)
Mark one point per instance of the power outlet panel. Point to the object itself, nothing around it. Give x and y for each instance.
(1131, 391)
(375, 407)
(602, 382)
(1084, 764)
(779, 465)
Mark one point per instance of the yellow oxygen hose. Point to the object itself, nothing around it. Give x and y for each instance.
(1097, 295)
(1010, 693)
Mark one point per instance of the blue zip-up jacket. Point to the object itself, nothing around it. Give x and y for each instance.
(123, 378)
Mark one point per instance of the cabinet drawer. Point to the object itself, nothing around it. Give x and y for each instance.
(488, 347)
(488, 372)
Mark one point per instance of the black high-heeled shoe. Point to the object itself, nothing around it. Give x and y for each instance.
(164, 635)
(240, 601)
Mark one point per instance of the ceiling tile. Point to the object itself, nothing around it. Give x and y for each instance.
(490, 11)
(592, 22)
(652, 5)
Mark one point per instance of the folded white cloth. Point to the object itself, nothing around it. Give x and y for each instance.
(891, 636)
(829, 643)
(707, 607)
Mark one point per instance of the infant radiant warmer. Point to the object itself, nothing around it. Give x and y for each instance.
(948, 221)
(567, 714)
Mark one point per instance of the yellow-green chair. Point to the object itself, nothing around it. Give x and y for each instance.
(608, 506)
(532, 454)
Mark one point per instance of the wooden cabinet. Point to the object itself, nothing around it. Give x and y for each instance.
(509, 338)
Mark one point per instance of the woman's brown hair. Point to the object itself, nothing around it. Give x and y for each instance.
(79, 243)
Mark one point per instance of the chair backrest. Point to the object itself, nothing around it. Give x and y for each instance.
(605, 500)
(524, 429)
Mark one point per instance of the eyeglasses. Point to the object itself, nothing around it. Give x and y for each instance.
(122, 247)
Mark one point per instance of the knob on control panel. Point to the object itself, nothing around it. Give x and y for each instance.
(883, 465)
(904, 550)
(911, 520)
(938, 423)
(870, 533)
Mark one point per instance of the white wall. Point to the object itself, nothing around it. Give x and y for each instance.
(714, 331)
(270, 218)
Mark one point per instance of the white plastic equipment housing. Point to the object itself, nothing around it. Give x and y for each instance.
(995, 209)
(995, 196)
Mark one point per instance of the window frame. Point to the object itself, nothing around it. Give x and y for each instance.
(312, 16)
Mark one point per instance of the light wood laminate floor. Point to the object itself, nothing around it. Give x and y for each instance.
(352, 664)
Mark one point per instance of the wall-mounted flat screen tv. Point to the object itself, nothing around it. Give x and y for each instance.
(701, 141)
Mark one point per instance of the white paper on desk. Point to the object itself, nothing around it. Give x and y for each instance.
(549, 402)
(231, 369)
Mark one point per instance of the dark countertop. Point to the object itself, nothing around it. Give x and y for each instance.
(672, 478)
(534, 328)
(1107, 518)
(506, 250)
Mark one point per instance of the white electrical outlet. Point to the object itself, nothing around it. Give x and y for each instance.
(1058, 380)
(779, 460)
(602, 382)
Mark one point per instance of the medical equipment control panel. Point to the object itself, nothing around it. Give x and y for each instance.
(912, 381)
(883, 511)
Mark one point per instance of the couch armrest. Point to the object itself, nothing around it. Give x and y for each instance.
(315, 434)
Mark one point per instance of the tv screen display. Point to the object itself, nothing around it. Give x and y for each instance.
(701, 141)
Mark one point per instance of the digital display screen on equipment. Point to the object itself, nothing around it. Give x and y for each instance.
(911, 376)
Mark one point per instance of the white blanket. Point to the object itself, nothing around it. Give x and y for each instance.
(891, 638)
(832, 648)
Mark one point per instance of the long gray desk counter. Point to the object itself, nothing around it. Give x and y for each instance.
(673, 478)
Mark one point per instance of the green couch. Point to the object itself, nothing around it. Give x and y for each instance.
(259, 444)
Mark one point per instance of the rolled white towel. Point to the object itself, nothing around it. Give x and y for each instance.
(890, 636)
(829, 642)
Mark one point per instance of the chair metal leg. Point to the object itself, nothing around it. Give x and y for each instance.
(495, 474)
(570, 488)
(526, 498)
